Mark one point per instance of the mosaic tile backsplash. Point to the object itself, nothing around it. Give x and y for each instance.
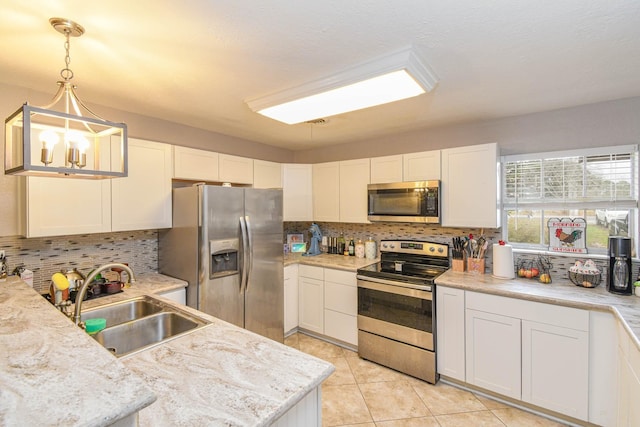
(45, 256)
(435, 233)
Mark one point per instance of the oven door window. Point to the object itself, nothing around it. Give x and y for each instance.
(400, 202)
(412, 312)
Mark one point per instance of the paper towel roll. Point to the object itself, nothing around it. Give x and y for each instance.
(503, 261)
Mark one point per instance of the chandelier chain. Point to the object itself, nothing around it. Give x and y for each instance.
(66, 73)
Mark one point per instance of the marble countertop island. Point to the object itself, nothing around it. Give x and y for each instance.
(626, 308)
(52, 373)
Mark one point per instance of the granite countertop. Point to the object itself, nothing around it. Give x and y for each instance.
(561, 292)
(217, 375)
(339, 262)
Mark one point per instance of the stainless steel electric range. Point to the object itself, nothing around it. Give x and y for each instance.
(396, 311)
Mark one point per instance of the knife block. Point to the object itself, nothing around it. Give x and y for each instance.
(457, 265)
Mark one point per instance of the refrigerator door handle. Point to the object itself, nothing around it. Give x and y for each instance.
(245, 254)
(249, 252)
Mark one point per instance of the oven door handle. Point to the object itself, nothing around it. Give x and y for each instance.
(399, 288)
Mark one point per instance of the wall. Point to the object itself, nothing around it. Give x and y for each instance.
(595, 125)
(45, 256)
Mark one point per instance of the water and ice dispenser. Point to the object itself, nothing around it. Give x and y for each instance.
(223, 256)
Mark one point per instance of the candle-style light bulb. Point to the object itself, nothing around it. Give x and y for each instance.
(73, 138)
(49, 139)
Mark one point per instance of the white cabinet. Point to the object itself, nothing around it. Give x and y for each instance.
(628, 411)
(267, 174)
(493, 352)
(326, 192)
(311, 298)
(470, 187)
(387, 169)
(354, 178)
(290, 298)
(297, 192)
(234, 169)
(423, 166)
(341, 305)
(603, 357)
(450, 326)
(178, 295)
(194, 164)
(62, 206)
(555, 362)
(142, 200)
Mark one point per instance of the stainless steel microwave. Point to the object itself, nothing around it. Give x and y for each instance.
(417, 201)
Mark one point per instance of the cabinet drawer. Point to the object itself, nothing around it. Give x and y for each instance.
(566, 317)
(340, 276)
(341, 298)
(311, 272)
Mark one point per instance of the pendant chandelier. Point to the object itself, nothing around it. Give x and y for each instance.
(64, 138)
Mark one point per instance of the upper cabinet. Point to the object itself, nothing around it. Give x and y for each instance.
(423, 166)
(386, 169)
(194, 164)
(64, 206)
(470, 187)
(142, 200)
(267, 174)
(235, 169)
(296, 192)
(326, 191)
(354, 178)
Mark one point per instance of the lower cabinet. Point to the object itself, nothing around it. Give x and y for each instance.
(328, 302)
(178, 295)
(493, 352)
(290, 298)
(534, 352)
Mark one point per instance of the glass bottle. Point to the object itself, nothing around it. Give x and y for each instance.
(341, 244)
(352, 248)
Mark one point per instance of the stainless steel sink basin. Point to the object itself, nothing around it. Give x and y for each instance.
(124, 311)
(139, 323)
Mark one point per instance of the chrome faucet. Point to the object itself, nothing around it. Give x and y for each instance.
(83, 289)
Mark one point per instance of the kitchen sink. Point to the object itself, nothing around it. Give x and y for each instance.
(140, 323)
(124, 311)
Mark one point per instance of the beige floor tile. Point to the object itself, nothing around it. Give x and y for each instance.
(369, 372)
(342, 405)
(359, 425)
(490, 403)
(349, 353)
(392, 400)
(443, 399)
(514, 417)
(410, 422)
(292, 341)
(342, 374)
(318, 348)
(475, 419)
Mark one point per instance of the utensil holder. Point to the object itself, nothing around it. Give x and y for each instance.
(457, 265)
(475, 265)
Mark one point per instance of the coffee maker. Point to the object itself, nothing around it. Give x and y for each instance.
(619, 277)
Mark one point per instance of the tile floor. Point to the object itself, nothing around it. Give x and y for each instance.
(364, 394)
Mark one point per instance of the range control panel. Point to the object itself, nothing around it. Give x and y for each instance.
(415, 247)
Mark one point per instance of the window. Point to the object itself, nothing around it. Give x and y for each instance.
(600, 185)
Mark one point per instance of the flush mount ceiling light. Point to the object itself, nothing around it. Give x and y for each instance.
(91, 147)
(385, 79)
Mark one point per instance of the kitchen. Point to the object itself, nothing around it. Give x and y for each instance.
(592, 122)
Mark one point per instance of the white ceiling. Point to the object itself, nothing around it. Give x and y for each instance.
(196, 61)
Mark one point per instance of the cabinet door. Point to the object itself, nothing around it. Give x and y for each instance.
(297, 190)
(387, 169)
(234, 169)
(63, 206)
(341, 326)
(142, 200)
(194, 164)
(290, 298)
(354, 177)
(267, 174)
(178, 295)
(450, 332)
(423, 166)
(311, 300)
(555, 368)
(470, 187)
(326, 192)
(493, 352)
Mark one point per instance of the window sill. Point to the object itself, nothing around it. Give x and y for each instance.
(560, 254)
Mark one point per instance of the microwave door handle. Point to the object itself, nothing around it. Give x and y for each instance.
(245, 243)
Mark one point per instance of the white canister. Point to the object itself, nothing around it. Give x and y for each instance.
(359, 249)
(370, 249)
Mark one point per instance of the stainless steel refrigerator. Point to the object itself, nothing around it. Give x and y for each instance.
(227, 243)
